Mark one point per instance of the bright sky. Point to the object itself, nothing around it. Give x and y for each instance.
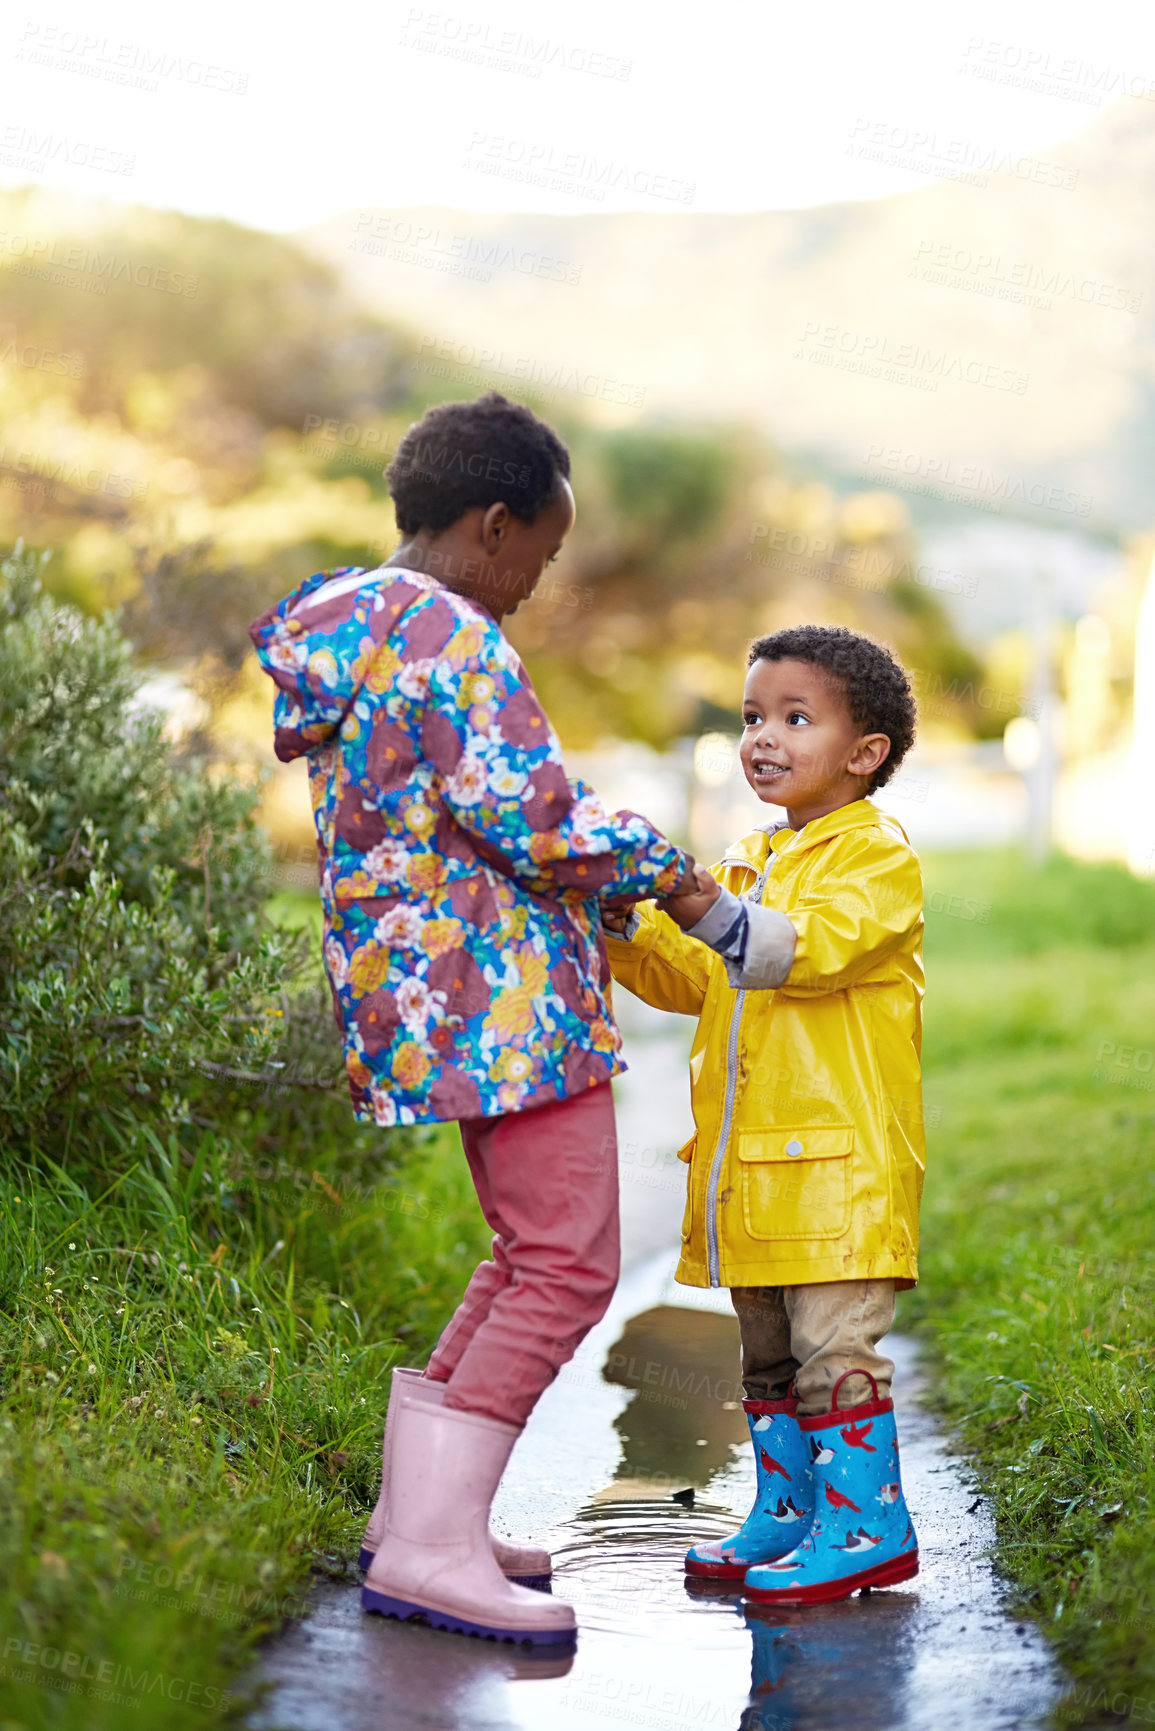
(280, 117)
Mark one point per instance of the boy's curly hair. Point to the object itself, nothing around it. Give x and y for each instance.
(873, 681)
(461, 456)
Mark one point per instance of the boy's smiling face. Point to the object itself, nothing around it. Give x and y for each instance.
(800, 746)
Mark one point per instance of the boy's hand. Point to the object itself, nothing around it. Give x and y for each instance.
(686, 906)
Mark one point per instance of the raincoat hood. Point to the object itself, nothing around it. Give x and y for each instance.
(319, 682)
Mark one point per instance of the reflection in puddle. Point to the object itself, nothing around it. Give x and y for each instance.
(844, 1664)
(685, 1415)
(656, 1650)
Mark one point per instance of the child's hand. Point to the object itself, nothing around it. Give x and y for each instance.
(687, 907)
(615, 912)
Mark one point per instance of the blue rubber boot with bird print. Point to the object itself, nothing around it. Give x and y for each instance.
(783, 1502)
(861, 1534)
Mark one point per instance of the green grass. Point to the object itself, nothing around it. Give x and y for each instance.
(195, 1364)
(195, 1373)
(1038, 1232)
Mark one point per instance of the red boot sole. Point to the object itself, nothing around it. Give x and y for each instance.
(826, 1592)
(717, 1571)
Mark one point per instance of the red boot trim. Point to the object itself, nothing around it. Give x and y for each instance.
(716, 1571)
(900, 1568)
(761, 1408)
(846, 1415)
(838, 1415)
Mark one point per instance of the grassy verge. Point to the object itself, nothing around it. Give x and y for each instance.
(207, 1268)
(195, 1373)
(1039, 1221)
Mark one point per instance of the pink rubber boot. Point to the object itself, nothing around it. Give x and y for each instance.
(529, 1565)
(435, 1561)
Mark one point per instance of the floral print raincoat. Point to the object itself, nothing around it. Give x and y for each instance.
(460, 868)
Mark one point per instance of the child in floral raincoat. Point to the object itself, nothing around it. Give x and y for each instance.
(801, 959)
(460, 876)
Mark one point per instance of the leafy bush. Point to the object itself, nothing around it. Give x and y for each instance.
(145, 992)
(77, 750)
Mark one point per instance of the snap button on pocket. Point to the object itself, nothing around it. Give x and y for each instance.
(794, 1149)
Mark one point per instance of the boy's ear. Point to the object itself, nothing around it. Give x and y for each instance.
(870, 754)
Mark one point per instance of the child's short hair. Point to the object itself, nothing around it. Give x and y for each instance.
(462, 456)
(873, 680)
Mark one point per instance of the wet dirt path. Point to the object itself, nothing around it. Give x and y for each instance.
(645, 1415)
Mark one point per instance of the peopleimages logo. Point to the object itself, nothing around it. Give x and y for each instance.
(134, 64)
(480, 43)
(28, 147)
(1015, 279)
(48, 254)
(878, 354)
(75, 1672)
(478, 256)
(572, 171)
(444, 358)
(927, 152)
(1025, 67)
(987, 489)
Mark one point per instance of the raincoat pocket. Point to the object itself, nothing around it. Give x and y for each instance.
(797, 1180)
(686, 1153)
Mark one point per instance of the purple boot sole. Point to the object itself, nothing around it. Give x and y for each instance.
(406, 1612)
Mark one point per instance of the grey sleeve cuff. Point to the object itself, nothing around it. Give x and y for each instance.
(718, 921)
(633, 921)
(770, 944)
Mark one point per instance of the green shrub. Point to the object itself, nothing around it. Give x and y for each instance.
(145, 992)
(77, 750)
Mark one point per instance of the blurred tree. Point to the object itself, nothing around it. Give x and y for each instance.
(688, 543)
(199, 415)
(668, 487)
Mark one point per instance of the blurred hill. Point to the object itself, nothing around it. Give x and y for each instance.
(155, 372)
(985, 340)
(196, 415)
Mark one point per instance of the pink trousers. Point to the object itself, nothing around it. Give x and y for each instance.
(547, 1182)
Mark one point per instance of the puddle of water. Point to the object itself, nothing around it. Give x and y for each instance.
(636, 1451)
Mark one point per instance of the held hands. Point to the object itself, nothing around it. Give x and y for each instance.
(688, 902)
(615, 915)
(615, 910)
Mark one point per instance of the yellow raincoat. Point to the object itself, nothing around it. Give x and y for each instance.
(807, 1159)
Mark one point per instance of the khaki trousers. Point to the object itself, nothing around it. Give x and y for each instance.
(810, 1335)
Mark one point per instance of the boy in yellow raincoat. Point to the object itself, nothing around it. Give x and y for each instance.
(800, 955)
